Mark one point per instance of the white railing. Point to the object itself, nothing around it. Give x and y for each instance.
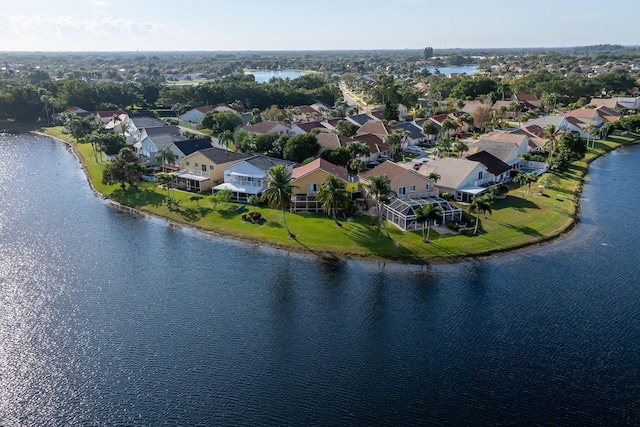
(239, 182)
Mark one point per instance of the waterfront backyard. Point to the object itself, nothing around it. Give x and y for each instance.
(514, 223)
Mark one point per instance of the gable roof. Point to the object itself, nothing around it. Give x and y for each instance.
(470, 106)
(453, 171)
(163, 130)
(392, 170)
(321, 164)
(109, 114)
(146, 122)
(493, 164)
(164, 140)
(526, 97)
(503, 150)
(608, 114)
(505, 137)
(309, 126)
(361, 119)
(190, 146)
(415, 132)
(220, 156)
(534, 140)
(264, 127)
(328, 140)
(376, 128)
(265, 163)
(605, 102)
(375, 143)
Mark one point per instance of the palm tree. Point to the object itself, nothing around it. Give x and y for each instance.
(379, 188)
(592, 131)
(434, 176)
(333, 195)
(165, 180)
(357, 150)
(165, 156)
(426, 215)
(279, 191)
(478, 205)
(551, 132)
(449, 125)
(526, 179)
(460, 147)
(226, 138)
(429, 128)
(394, 140)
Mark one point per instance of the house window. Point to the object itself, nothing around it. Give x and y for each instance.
(402, 191)
(204, 168)
(313, 189)
(428, 187)
(210, 167)
(412, 189)
(480, 175)
(187, 163)
(197, 165)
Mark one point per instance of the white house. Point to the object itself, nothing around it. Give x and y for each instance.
(268, 127)
(461, 178)
(249, 177)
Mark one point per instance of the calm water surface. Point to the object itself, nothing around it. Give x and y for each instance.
(108, 319)
(263, 76)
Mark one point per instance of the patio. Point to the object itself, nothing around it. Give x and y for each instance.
(402, 212)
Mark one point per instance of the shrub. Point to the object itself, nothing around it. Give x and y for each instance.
(453, 225)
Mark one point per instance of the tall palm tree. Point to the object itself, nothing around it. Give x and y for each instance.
(379, 188)
(460, 147)
(165, 156)
(551, 132)
(426, 215)
(429, 128)
(592, 131)
(225, 138)
(333, 195)
(478, 205)
(279, 191)
(449, 125)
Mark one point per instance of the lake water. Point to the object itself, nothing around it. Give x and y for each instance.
(263, 76)
(447, 71)
(110, 319)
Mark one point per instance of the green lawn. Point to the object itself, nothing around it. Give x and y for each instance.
(515, 222)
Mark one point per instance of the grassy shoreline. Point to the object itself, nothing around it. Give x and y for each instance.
(515, 223)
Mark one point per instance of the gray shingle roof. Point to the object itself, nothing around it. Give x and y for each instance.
(219, 155)
(266, 162)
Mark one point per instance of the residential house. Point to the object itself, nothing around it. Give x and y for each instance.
(495, 166)
(529, 100)
(137, 123)
(307, 180)
(106, 116)
(306, 127)
(611, 103)
(405, 182)
(376, 128)
(505, 146)
(508, 109)
(202, 169)
(403, 112)
(305, 113)
(196, 115)
(182, 149)
(412, 192)
(249, 177)
(377, 147)
(413, 133)
(361, 119)
(632, 103)
(460, 177)
(153, 139)
(470, 107)
(268, 127)
(535, 141)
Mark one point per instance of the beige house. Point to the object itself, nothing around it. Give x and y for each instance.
(307, 180)
(405, 183)
(201, 170)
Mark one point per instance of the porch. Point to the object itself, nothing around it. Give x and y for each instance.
(402, 212)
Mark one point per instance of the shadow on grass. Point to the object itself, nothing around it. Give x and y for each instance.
(522, 229)
(135, 197)
(367, 237)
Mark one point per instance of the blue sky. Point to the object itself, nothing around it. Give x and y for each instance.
(117, 25)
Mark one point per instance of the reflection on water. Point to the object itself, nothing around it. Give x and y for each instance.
(108, 319)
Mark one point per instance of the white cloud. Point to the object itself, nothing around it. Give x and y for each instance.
(71, 33)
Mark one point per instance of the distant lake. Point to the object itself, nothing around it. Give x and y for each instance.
(469, 69)
(263, 76)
